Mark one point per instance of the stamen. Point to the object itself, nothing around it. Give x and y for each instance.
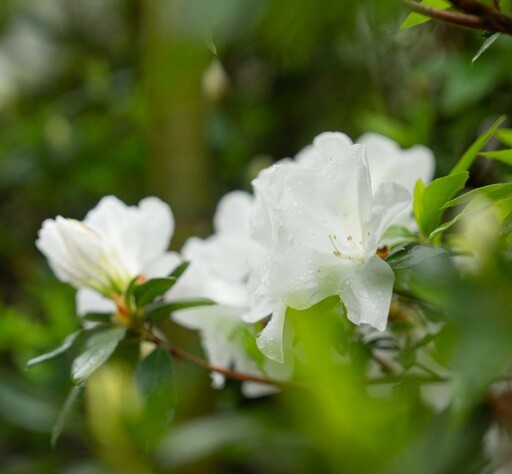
(336, 252)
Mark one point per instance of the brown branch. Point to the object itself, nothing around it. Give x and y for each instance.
(492, 16)
(454, 18)
(473, 7)
(476, 16)
(391, 378)
(232, 374)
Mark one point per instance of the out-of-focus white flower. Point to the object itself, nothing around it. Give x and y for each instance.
(113, 244)
(325, 227)
(220, 269)
(497, 445)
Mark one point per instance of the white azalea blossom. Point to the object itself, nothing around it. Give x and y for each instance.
(326, 224)
(220, 268)
(387, 162)
(113, 244)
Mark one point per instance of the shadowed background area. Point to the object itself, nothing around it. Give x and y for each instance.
(186, 100)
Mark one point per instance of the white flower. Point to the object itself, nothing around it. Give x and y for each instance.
(113, 244)
(387, 163)
(220, 269)
(325, 227)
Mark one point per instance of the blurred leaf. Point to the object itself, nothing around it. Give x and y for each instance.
(487, 44)
(418, 201)
(478, 204)
(129, 290)
(505, 156)
(65, 412)
(429, 201)
(155, 378)
(157, 312)
(23, 409)
(179, 270)
(467, 84)
(425, 340)
(147, 292)
(493, 192)
(97, 317)
(412, 255)
(99, 347)
(504, 135)
(506, 225)
(398, 234)
(472, 152)
(414, 18)
(499, 195)
(198, 439)
(63, 348)
(388, 126)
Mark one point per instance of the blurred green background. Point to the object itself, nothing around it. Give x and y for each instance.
(186, 100)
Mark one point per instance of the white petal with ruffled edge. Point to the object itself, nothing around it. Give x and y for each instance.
(326, 227)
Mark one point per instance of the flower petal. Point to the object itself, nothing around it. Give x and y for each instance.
(135, 236)
(206, 278)
(89, 301)
(366, 292)
(270, 340)
(312, 208)
(218, 326)
(163, 265)
(388, 202)
(389, 163)
(232, 214)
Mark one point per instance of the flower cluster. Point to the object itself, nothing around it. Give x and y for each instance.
(311, 230)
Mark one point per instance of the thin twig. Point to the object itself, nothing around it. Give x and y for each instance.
(391, 378)
(493, 17)
(232, 374)
(426, 369)
(384, 364)
(458, 19)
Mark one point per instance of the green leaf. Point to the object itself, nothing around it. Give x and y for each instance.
(150, 290)
(98, 348)
(425, 340)
(445, 226)
(97, 317)
(63, 348)
(478, 204)
(160, 311)
(419, 191)
(472, 152)
(428, 203)
(179, 270)
(505, 156)
(64, 413)
(413, 255)
(399, 233)
(504, 135)
(129, 290)
(485, 46)
(506, 225)
(414, 18)
(493, 192)
(155, 378)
